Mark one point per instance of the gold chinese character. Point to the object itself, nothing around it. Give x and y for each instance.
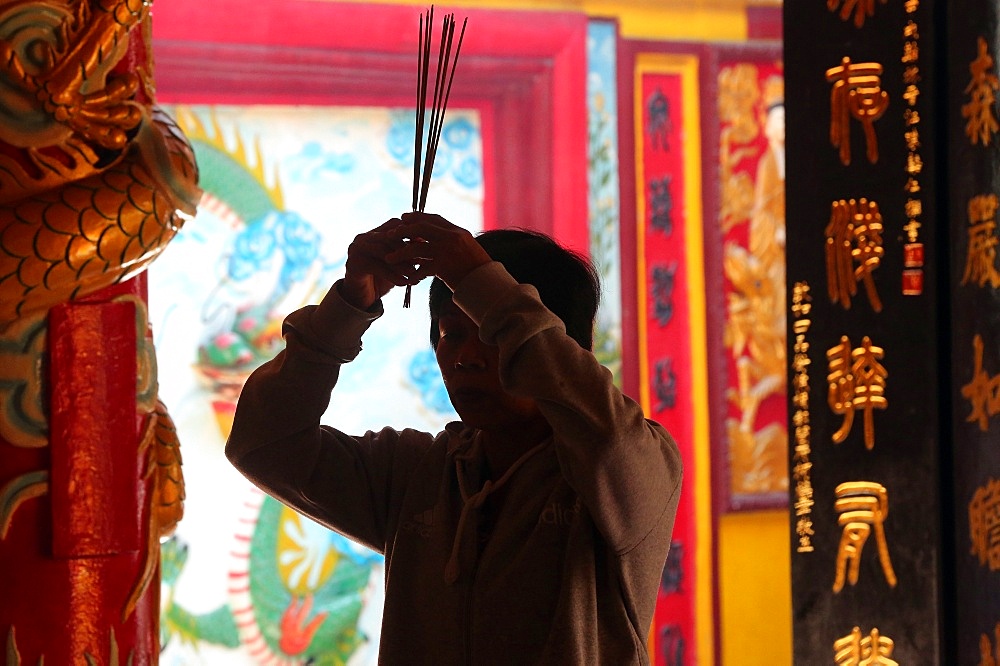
(872, 650)
(856, 93)
(862, 505)
(801, 469)
(853, 250)
(856, 381)
(986, 657)
(804, 530)
(980, 261)
(801, 299)
(982, 391)
(984, 524)
(982, 122)
(803, 497)
(800, 360)
(861, 9)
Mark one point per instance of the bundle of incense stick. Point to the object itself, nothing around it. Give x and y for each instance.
(439, 102)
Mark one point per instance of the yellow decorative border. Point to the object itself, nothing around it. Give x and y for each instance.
(686, 66)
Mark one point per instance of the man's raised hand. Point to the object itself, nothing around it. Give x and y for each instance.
(434, 246)
(371, 271)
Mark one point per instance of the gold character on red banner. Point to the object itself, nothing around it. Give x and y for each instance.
(857, 380)
(853, 250)
(871, 650)
(861, 9)
(857, 93)
(984, 524)
(983, 391)
(980, 261)
(863, 506)
(983, 85)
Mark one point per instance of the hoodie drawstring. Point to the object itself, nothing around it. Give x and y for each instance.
(474, 502)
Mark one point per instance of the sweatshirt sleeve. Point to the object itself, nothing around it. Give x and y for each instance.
(625, 467)
(346, 483)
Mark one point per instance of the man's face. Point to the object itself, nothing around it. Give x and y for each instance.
(471, 374)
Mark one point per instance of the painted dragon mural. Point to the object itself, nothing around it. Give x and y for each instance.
(95, 181)
(294, 591)
(276, 588)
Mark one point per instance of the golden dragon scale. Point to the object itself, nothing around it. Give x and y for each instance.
(92, 233)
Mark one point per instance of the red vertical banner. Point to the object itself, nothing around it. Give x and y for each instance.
(671, 342)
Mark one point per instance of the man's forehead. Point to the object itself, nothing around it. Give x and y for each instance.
(451, 312)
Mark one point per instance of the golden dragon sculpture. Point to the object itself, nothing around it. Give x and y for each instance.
(95, 181)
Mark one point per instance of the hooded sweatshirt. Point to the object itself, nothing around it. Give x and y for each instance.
(557, 561)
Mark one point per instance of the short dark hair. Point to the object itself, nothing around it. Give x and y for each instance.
(566, 281)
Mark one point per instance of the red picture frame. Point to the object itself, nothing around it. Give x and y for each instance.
(525, 72)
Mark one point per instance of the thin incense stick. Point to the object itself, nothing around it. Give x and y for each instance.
(439, 102)
(423, 54)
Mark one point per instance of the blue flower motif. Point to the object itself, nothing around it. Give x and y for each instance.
(299, 242)
(252, 246)
(469, 172)
(458, 133)
(399, 140)
(442, 161)
(299, 239)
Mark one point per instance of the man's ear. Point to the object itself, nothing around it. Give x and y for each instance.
(435, 334)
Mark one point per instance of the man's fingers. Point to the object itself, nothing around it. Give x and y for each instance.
(419, 231)
(432, 218)
(412, 252)
(374, 244)
(389, 224)
(398, 273)
(428, 226)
